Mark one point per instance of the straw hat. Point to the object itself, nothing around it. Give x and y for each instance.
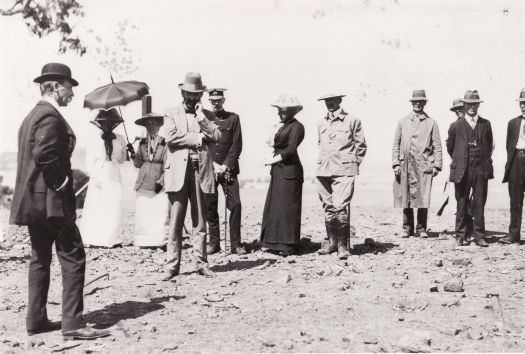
(288, 101)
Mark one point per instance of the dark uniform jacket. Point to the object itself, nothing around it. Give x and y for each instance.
(227, 150)
(45, 144)
(457, 148)
(513, 133)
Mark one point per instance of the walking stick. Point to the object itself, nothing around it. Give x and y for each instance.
(226, 180)
(200, 209)
(349, 229)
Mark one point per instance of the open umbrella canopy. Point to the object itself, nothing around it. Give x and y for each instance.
(116, 94)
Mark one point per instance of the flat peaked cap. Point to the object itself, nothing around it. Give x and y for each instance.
(331, 95)
(147, 113)
(522, 95)
(458, 103)
(55, 71)
(418, 95)
(471, 97)
(287, 101)
(192, 83)
(216, 93)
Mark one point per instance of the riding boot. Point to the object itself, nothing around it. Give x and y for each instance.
(329, 246)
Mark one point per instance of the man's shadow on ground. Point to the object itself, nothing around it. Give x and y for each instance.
(241, 265)
(490, 236)
(114, 313)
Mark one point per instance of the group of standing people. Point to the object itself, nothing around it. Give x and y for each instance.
(200, 151)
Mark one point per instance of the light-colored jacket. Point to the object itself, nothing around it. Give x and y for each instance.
(424, 145)
(150, 172)
(342, 145)
(180, 141)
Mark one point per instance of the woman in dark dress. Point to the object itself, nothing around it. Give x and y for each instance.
(281, 224)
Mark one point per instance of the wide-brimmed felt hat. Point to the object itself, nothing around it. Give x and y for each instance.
(418, 95)
(287, 101)
(471, 97)
(331, 95)
(522, 95)
(147, 113)
(216, 93)
(192, 83)
(458, 103)
(55, 71)
(104, 116)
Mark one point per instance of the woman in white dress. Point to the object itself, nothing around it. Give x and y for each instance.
(151, 206)
(102, 215)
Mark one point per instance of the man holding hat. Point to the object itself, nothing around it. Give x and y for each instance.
(44, 200)
(342, 146)
(515, 171)
(225, 152)
(188, 172)
(470, 144)
(416, 160)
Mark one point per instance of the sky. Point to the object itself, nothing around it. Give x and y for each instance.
(373, 51)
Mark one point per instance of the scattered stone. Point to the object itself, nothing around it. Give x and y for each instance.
(370, 340)
(434, 289)
(169, 347)
(439, 263)
(284, 278)
(397, 284)
(214, 298)
(462, 261)
(453, 285)
(264, 265)
(302, 295)
(345, 340)
(415, 342)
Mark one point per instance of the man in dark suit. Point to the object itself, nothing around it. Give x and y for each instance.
(226, 154)
(44, 200)
(515, 171)
(470, 144)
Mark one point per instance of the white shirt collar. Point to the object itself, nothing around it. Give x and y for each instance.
(470, 119)
(51, 101)
(335, 114)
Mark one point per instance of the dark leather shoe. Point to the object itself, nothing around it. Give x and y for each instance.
(170, 274)
(206, 272)
(507, 240)
(85, 333)
(459, 241)
(405, 234)
(48, 326)
(212, 249)
(481, 242)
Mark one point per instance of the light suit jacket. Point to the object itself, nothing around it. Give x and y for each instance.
(180, 141)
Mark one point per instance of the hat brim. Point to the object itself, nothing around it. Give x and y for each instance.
(418, 99)
(215, 97)
(184, 87)
(299, 108)
(455, 108)
(54, 76)
(326, 97)
(157, 117)
(471, 100)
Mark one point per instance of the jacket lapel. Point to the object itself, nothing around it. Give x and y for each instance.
(515, 131)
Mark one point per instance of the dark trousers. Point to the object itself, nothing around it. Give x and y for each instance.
(408, 220)
(192, 192)
(233, 204)
(72, 258)
(516, 190)
(471, 195)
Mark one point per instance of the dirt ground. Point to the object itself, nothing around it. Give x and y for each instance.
(380, 300)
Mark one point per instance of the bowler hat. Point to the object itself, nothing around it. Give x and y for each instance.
(216, 93)
(147, 114)
(471, 97)
(287, 101)
(331, 95)
(54, 71)
(418, 95)
(192, 83)
(522, 95)
(458, 103)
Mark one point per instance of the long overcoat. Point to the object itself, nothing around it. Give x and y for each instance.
(45, 144)
(416, 137)
(180, 140)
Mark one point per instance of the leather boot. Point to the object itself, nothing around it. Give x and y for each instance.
(343, 232)
(330, 246)
(236, 247)
(214, 240)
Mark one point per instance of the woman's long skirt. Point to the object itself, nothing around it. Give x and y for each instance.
(281, 225)
(151, 212)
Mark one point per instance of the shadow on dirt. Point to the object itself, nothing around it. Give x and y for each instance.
(241, 265)
(372, 247)
(25, 257)
(112, 314)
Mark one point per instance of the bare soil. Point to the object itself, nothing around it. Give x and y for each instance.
(380, 300)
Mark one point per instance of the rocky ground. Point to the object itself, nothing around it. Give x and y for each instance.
(389, 296)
